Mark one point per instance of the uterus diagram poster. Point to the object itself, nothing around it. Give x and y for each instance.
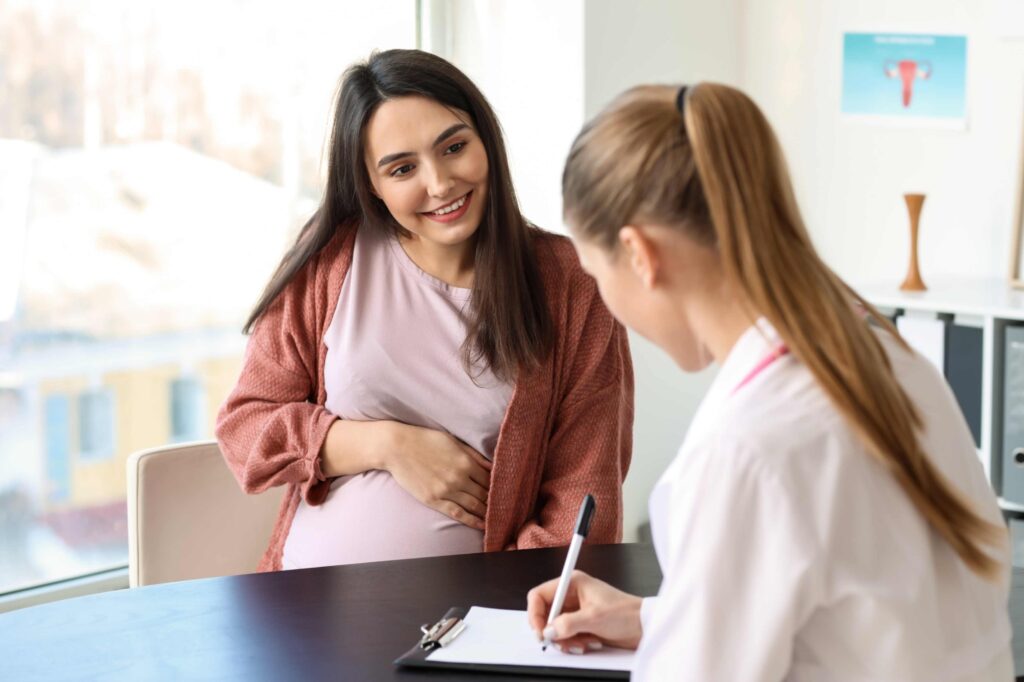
(910, 79)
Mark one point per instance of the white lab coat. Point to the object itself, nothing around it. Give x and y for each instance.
(789, 553)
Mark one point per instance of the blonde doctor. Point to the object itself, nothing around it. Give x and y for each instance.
(827, 517)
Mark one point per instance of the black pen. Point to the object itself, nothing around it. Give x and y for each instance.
(582, 528)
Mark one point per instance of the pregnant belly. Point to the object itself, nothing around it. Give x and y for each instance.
(369, 517)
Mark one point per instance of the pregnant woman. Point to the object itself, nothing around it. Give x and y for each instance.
(427, 372)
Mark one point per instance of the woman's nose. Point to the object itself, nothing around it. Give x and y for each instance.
(439, 183)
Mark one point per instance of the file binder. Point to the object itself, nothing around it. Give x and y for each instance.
(1013, 415)
(447, 630)
(963, 367)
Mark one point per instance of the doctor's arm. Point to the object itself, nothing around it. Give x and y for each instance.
(741, 571)
(739, 583)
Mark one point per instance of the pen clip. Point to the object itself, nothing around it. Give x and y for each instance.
(441, 633)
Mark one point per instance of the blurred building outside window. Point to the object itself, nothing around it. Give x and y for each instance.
(156, 159)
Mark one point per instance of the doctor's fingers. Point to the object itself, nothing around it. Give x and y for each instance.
(580, 644)
(538, 603)
(574, 624)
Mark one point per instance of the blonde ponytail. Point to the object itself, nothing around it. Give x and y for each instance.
(722, 179)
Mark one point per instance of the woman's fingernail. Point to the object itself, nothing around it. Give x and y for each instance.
(576, 650)
(595, 646)
(549, 632)
(560, 648)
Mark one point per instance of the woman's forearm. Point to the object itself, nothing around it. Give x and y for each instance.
(352, 447)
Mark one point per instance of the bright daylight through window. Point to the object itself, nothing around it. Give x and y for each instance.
(155, 160)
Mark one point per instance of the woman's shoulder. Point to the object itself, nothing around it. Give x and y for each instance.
(338, 248)
(317, 280)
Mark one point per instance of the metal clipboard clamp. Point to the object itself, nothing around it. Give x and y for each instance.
(443, 632)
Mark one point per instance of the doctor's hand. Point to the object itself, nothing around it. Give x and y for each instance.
(440, 471)
(594, 614)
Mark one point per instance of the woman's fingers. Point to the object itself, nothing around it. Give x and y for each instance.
(475, 490)
(456, 512)
(470, 504)
(480, 476)
(477, 457)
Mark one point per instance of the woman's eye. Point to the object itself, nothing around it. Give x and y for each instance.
(455, 148)
(401, 170)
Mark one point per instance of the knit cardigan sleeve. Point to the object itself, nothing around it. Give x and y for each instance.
(591, 441)
(272, 425)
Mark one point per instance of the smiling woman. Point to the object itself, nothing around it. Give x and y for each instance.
(437, 192)
(428, 373)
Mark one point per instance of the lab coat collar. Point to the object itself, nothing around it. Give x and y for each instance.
(750, 348)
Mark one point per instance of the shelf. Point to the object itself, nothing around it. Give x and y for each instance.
(996, 305)
(990, 297)
(1006, 505)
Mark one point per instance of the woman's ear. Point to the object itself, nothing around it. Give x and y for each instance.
(642, 253)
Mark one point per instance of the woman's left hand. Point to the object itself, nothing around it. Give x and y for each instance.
(594, 614)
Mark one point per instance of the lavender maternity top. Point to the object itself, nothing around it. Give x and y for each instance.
(393, 353)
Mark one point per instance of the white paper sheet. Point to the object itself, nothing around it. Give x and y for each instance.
(503, 637)
(926, 336)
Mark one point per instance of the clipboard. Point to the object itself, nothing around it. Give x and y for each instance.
(451, 625)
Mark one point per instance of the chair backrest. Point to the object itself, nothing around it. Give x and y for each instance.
(188, 518)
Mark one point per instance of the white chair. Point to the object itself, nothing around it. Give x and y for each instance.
(187, 517)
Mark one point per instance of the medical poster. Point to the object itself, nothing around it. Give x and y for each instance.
(909, 79)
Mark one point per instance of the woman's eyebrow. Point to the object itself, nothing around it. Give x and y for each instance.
(448, 132)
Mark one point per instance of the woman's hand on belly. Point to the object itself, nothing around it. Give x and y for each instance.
(440, 471)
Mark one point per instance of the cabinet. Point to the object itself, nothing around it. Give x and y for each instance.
(992, 305)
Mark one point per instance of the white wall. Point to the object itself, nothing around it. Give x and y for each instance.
(547, 67)
(526, 57)
(850, 177)
(656, 41)
(556, 64)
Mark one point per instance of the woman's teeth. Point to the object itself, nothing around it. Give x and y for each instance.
(448, 209)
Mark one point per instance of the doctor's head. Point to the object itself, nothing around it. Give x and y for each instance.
(676, 198)
(681, 207)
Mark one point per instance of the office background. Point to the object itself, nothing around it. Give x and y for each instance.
(547, 67)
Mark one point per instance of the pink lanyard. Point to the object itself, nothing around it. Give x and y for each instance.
(772, 356)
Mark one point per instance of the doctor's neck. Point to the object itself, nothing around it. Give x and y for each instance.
(703, 305)
(718, 318)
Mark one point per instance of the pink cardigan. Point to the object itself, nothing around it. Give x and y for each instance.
(567, 432)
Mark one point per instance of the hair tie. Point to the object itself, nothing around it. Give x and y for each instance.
(681, 100)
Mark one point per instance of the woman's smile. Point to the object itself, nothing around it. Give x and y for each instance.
(451, 212)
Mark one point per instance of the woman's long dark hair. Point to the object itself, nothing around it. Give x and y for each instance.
(509, 323)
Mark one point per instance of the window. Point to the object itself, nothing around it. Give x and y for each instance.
(188, 409)
(156, 159)
(58, 448)
(96, 425)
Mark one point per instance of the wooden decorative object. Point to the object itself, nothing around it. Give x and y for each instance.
(913, 281)
(1016, 278)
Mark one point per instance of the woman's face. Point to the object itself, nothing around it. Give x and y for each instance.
(429, 167)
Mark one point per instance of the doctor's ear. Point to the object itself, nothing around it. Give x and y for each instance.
(642, 254)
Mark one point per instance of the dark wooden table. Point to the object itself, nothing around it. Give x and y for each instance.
(338, 623)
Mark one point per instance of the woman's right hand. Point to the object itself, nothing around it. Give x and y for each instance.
(440, 471)
(436, 468)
